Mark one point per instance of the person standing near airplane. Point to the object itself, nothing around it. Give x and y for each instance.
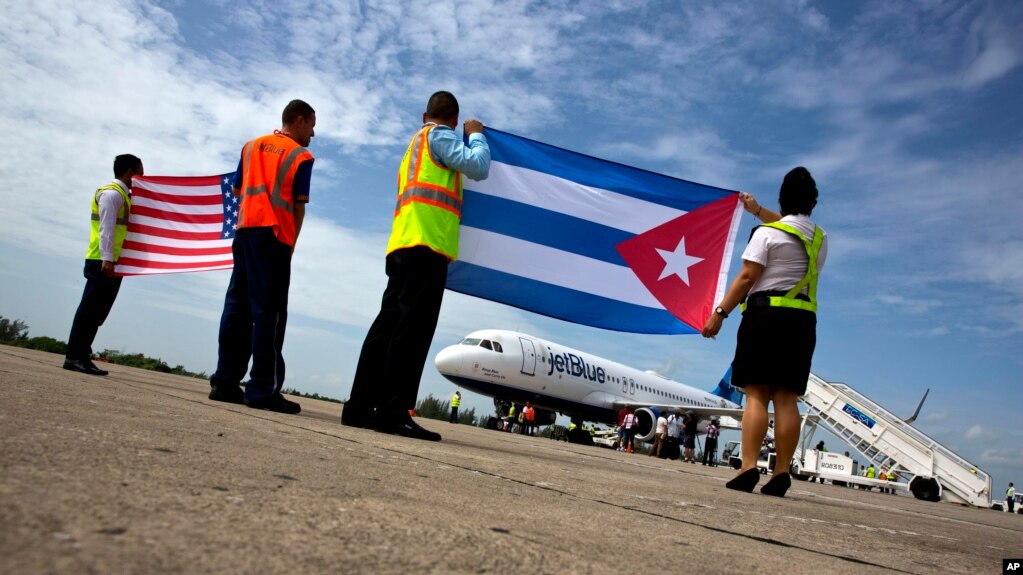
(778, 333)
(111, 205)
(630, 423)
(1010, 497)
(424, 239)
(660, 434)
(456, 400)
(674, 432)
(692, 421)
(273, 183)
(710, 447)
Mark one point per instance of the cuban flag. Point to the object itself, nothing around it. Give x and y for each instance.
(594, 242)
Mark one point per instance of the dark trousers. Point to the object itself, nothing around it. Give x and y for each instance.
(97, 299)
(710, 451)
(454, 415)
(394, 353)
(255, 314)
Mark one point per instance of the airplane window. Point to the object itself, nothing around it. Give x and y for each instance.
(485, 344)
(471, 341)
(497, 347)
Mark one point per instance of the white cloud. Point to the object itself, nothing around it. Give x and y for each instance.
(979, 432)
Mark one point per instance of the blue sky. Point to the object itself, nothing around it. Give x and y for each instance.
(902, 111)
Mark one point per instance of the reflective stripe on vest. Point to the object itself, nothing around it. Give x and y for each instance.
(120, 224)
(269, 164)
(429, 203)
(809, 280)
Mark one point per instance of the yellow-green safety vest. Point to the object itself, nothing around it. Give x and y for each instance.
(121, 224)
(429, 206)
(455, 401)
(813, 248)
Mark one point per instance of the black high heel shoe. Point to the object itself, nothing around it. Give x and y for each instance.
(745, 481)
(777, 486)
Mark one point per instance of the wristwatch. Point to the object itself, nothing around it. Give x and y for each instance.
(721, 312)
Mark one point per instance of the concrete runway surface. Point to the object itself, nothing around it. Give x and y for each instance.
(138, 472)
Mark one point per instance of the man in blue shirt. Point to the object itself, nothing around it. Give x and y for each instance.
(424, 239)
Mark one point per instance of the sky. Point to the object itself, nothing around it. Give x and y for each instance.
(903, 112)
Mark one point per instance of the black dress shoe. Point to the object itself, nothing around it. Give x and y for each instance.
(227, 393)
(777, 486)
(275, 402)
(745, 481)
(353, 416)
(405, 427)
(83, 366)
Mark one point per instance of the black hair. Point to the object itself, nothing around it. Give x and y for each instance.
(125, 162)
(798, 194)
(296, 109)
(442, 106)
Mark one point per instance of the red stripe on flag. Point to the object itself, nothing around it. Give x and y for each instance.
(175, 251)
(133, 262)
(180, 199)
(177, 216)
(164, 233)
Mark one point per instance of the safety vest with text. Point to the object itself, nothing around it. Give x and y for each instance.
(455, 400)
(269, 164)
(120, 226)
(429, 206)
(809, 281)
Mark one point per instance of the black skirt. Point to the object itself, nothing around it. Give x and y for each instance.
(774, 347)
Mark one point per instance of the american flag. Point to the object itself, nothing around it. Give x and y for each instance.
(179, 224)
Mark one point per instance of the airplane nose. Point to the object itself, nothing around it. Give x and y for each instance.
(448, 360)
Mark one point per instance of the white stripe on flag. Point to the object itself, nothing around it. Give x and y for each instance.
(182, 190)
(556, 194)
(177, 243)
(155, 257)
(553, 266)
(132, 270)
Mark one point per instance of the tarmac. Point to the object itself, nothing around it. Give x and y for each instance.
(138, 472)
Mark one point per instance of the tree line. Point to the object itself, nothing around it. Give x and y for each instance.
(15, 333)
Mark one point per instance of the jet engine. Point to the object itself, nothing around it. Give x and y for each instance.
(647, 421)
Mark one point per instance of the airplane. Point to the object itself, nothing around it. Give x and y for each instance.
(518, 367)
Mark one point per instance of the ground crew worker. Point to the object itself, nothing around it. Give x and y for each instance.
(424, 239)
(456, 400)
(1010, 497)
(511, 418)
(273, 183)
(777, 288)
(111, 205)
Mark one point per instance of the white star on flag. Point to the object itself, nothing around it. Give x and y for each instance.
(677, 262)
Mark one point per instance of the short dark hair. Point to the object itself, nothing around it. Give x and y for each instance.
(798, 194)
(125, 162)
(442, 105)
(296, 109)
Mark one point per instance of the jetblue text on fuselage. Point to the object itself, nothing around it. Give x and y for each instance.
(572, 364)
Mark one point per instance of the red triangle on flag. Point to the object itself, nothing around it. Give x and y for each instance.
(679, 261)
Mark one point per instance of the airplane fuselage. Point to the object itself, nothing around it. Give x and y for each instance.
(519, 367)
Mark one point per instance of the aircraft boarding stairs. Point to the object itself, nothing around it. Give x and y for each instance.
(933, 471)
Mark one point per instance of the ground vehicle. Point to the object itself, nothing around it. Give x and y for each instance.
(732, 455)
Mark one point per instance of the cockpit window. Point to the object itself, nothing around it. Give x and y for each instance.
(471, 341)
(486, 344)
(497, 347)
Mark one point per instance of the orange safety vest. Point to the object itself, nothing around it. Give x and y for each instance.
(269, 164)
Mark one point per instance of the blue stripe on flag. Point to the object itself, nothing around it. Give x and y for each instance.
(561, 303)
(595, 172)
(544, 227)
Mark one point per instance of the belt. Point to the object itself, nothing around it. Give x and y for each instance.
(763, 298)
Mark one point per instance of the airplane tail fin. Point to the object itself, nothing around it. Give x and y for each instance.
(725, 389)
